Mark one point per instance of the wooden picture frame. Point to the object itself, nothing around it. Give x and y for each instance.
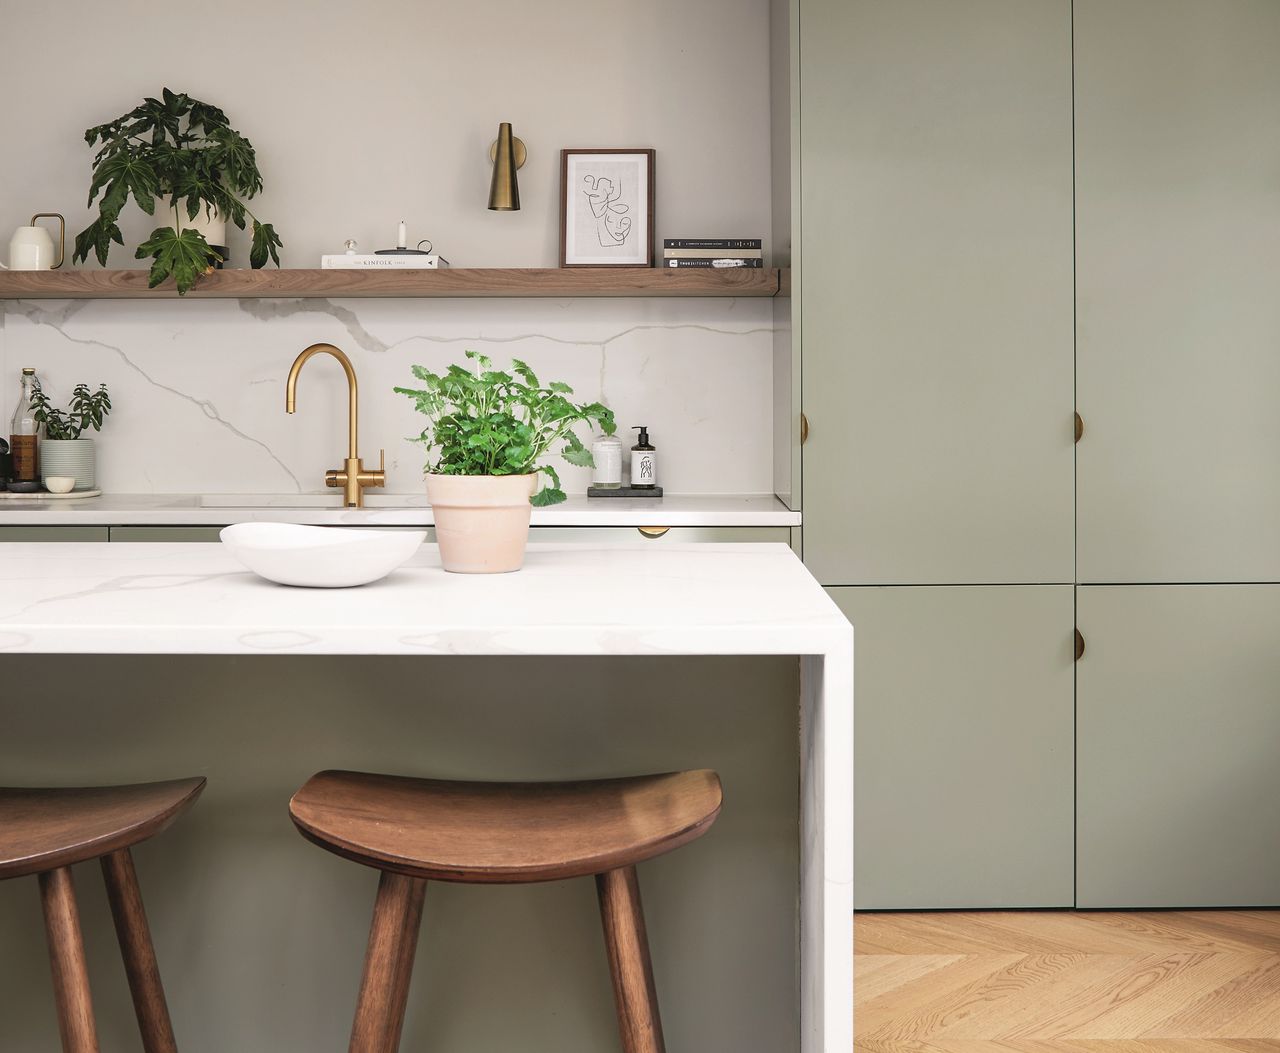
(607, 208)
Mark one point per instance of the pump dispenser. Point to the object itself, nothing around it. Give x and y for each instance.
(644, 462)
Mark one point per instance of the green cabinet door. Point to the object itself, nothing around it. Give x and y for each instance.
(200, 533)
(582, 535)
(1178, 216)
(936, 301)
(962, 746)
(1179, 746)
(165, 533)
(53, 533)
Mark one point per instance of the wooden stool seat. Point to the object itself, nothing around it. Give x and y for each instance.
(43, 829)
(416, 830)
(485, 832)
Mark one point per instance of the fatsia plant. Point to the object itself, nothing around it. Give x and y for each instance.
(87, 409)
(484, 421)
(181, 150)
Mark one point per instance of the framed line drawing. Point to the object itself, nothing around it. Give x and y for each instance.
(606, 208)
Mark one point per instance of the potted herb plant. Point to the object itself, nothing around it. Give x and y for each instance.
(488, 438)
(185, 154)
(65, 450)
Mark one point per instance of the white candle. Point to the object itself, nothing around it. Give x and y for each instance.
(404, 236)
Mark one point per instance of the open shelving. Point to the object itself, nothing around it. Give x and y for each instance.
(448, 282)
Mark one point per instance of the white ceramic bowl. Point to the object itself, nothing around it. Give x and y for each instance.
(59, 484)
(320, 557)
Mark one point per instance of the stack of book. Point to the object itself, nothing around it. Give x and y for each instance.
(400, 260)
(712, 252)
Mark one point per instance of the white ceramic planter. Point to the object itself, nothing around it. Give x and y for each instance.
(482, 521)
(207, 222)
(74, 457)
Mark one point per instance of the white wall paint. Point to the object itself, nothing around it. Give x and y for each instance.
(366, 113)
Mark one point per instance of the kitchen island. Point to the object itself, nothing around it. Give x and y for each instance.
(634, 604)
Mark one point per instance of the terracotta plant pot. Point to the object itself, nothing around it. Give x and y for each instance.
(482, 521)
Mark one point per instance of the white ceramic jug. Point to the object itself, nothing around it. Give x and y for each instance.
(31, 247)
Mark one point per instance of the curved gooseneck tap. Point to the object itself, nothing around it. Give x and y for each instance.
(352, 477)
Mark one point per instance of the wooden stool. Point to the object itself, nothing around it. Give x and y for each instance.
(44, 832)
(415, 830)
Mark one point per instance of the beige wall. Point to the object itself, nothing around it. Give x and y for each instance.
(366, 113)
(261, 935)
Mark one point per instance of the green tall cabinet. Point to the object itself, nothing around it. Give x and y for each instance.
(1005, 211)
(1178, 374)
(935, 307)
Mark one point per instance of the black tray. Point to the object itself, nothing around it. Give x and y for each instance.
(624, 491)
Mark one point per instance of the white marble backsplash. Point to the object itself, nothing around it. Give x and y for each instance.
(198, 386)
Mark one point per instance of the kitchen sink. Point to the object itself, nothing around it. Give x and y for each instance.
(332, 499)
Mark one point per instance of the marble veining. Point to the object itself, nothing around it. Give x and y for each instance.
(198, 386)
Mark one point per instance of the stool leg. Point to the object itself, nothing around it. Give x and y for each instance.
(66, 955)
(388, 964)
(138, 953)
(628, 946)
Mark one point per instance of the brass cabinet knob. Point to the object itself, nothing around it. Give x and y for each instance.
(1079, 645)
(804, 429)
(1079, 427)
(652, 533)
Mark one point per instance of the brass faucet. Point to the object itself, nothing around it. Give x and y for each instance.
(352, 477)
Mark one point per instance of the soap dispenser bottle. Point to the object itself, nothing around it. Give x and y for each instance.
(644, 462)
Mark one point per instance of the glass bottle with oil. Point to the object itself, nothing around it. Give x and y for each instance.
(23, 435)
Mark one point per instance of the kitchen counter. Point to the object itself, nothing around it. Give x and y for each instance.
(322, 509)
(570, 600)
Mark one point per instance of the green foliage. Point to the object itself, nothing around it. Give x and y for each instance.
(489, 422)
(185, 255)
(85, 410)
(181, 149)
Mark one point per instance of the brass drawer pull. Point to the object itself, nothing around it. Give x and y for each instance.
(1079, 427)
(804, 429)
(653, 532)
(1079, 645)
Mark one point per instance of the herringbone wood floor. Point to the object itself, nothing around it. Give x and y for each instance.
(1100, 982)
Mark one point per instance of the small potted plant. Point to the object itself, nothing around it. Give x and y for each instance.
(65, 450)
(488, 437)
(183, 154)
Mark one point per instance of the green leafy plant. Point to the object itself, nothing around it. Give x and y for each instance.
(85, 410)
(181, 151)
(489, 422)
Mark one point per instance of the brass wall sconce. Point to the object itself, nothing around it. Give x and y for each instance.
(507, 154)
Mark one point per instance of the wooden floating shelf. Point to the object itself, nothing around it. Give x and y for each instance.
(449, 282)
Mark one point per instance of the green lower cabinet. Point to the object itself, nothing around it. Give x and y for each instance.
(201, 533)
(53, 533)
(1179, 746)
(566, 535)
(963, 743)
(574, 535)
(673, 535)
(165, 533)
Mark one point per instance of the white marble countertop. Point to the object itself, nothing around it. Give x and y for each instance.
(632, 599)
(569, 599)
(322, 509)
